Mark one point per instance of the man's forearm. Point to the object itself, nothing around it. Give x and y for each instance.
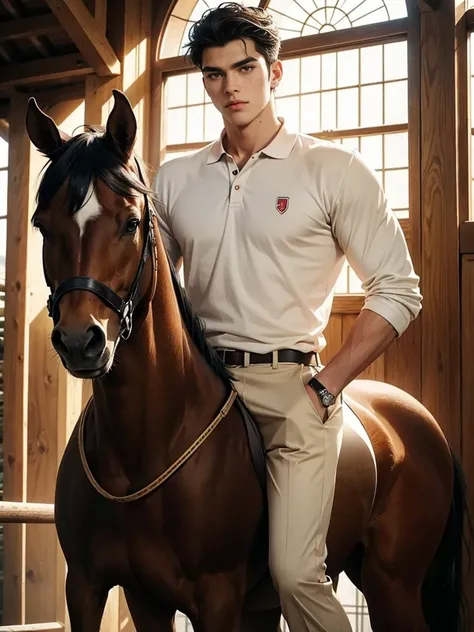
(370, 335)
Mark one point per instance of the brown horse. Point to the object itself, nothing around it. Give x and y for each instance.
(157, 490)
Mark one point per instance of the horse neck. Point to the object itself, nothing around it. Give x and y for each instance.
(145, 408)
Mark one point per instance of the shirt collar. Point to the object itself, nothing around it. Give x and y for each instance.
(280, 147)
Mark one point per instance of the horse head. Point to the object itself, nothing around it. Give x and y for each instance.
(94, 215)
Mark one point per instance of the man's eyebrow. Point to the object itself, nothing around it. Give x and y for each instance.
(236, 65)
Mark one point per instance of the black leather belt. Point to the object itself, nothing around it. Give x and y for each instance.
(234, 357)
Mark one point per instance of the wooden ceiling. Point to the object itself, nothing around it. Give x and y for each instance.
(51, 45)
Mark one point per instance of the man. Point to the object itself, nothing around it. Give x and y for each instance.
(263, 219)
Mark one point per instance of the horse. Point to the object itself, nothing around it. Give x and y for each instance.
(160, 486)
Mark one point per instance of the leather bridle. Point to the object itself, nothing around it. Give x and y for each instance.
(123, 307)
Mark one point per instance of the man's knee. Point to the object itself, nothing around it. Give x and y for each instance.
(292, 578)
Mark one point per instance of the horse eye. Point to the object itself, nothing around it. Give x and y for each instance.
(131, 226)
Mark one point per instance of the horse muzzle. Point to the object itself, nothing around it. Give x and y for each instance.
(85, 354)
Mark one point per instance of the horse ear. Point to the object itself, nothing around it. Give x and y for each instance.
(42, 130)
(121, 126)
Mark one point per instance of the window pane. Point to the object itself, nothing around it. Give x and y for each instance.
(371, 106)
(371, 64)
(372, 151)
(311, 73)
(3, 192)
(310, 113)
(195, 128)
(3, 246)
(176, 126)
(289, 109)
(290, 83)
(395, 61)
(213, 123)
(329, 72)
(396, 150)
(396, 102)
(348, 108)
(195, 88)
(3, 153)
(348, 68)
(176, 90)
(342, 283)
(328, 110)
(396, 188)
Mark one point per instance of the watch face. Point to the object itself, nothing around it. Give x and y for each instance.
(327, 399)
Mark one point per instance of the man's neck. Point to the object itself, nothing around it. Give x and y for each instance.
(242, 142)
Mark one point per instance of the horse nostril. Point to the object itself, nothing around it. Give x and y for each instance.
(95, 343)
(58, 341)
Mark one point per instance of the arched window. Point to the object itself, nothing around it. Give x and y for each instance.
(295, 18)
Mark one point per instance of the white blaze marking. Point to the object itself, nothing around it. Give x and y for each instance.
(88, 212)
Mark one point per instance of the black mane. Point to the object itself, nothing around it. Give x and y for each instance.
(86, 158)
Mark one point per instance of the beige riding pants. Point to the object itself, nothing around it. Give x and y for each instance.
(302, 456)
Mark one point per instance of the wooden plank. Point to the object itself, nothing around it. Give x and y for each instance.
(22, 28)
(463, 119)
(87, 34)
(466, 237)
(16, 356)
(440, 253)
(344, 39)
(467, 408)
(43, 70)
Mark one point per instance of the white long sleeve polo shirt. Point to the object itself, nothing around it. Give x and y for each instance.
(263, 247)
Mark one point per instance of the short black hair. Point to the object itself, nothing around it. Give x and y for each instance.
(230, 21)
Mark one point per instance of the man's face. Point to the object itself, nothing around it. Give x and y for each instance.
(236, 72)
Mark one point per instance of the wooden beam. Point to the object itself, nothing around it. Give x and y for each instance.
(441, 359)
(44, 70)
(22, 513)
(33, 627)
(433, 5)
(28, 27)
(88, 35)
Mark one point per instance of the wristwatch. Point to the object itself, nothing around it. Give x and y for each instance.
(327, 399)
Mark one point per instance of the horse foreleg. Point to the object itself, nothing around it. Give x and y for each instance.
(85, 601)
(261, 621)
(147, 616)
(221, 603)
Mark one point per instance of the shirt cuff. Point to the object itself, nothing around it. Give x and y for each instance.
(397, 314)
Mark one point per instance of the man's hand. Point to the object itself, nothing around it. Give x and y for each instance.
(320, 409)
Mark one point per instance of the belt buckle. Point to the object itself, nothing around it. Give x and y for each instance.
(224, 351)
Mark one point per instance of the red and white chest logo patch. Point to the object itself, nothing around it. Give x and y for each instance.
(282, 204)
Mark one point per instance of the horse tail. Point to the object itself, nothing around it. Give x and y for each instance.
(444, 603)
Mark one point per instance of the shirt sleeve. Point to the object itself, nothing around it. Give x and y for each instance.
(169, 241)
(374, 244)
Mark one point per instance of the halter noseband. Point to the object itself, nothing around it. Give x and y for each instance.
(124, 308)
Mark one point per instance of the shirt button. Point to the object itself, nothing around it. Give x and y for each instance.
(237, 187)
(235, 172)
